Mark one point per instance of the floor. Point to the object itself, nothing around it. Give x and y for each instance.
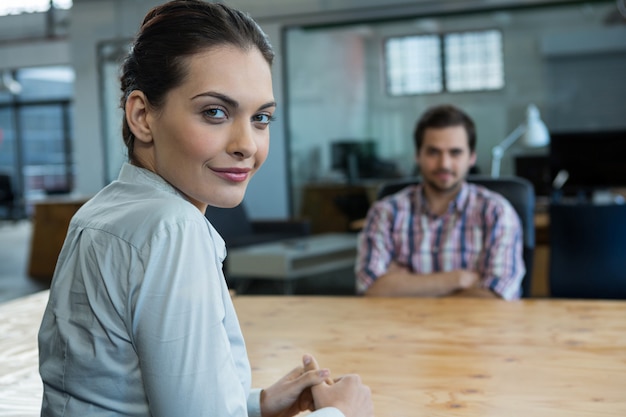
(15, 282)
(14, 253)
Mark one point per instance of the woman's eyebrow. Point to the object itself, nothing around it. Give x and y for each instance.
(228, 100)
(268, 105)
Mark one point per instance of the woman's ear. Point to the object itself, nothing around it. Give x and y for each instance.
(137, 108)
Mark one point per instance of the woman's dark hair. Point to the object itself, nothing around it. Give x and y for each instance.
(174, 31)
(441, 116)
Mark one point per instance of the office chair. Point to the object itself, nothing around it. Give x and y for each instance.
(587, 251)
(238, 230)
(8, 203)
(518, 191)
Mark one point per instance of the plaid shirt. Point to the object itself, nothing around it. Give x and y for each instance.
(480, 232)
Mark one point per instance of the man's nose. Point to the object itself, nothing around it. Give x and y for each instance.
(445, 160)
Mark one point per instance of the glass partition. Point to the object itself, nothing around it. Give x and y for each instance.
(568, 59)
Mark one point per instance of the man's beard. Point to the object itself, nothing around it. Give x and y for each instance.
(455, 186)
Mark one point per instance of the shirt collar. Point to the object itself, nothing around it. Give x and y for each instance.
(458, 204)
(135, 174)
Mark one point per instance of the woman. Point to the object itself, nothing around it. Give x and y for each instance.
(139, 320)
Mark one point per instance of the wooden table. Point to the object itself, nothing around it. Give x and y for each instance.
(432, 357)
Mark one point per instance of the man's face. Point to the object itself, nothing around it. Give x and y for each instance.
(445, 158)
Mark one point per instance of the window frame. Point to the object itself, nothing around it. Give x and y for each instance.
(443, 63)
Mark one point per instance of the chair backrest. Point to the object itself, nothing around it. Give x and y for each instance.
(518, 191)
(8, 204)
(6, 190)
(230, 223)
(588, 251)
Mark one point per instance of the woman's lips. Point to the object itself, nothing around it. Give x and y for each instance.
(233, 174)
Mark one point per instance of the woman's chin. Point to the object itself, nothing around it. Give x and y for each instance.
(229, 202)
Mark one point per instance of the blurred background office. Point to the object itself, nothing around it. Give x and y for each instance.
(343, 74)
(351, 77)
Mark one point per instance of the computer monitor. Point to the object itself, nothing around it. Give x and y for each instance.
(354, 158)
(594, 160)
(536, 169)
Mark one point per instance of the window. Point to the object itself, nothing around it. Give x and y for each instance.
(414, 65)
(453, 62)
(35, 132)
(9, 7)
(474, 61)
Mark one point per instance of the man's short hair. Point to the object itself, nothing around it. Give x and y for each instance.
(441, 116)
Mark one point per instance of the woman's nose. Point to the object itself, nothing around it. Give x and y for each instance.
(242, 143)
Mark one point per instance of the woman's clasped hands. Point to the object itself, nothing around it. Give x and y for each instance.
(307, 387)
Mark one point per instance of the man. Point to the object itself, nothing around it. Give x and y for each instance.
(444, 236)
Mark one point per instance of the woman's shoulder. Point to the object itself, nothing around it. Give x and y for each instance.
(131, 212)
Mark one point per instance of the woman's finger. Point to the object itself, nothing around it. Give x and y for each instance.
(310, 364)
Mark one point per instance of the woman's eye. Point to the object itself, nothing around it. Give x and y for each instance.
(263, 118)
(215, 113)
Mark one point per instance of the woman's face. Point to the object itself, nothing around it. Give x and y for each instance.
(212, 133)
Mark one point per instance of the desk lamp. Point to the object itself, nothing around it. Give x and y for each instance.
(8, 83)
(535, 135)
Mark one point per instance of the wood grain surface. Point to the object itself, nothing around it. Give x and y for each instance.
(451, 357)
(421, 357)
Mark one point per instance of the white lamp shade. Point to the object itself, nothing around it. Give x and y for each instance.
(9, 84)
(536, 134)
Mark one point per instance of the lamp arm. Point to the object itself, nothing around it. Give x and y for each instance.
(498, 151)
(513, 136)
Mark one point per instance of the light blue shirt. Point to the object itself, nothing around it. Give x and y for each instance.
(140, 321)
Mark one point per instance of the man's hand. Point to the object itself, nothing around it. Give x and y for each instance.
(396, 268)
(467, 279)
(468, 286)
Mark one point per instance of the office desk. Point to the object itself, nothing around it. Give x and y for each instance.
(51, 220)
(434, 357)
(290, 259)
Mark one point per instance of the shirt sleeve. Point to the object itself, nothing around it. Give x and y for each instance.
(327, 412)
(254, 403)
(254, 407)
(375, 246)
(180, 328)
(503, 260)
